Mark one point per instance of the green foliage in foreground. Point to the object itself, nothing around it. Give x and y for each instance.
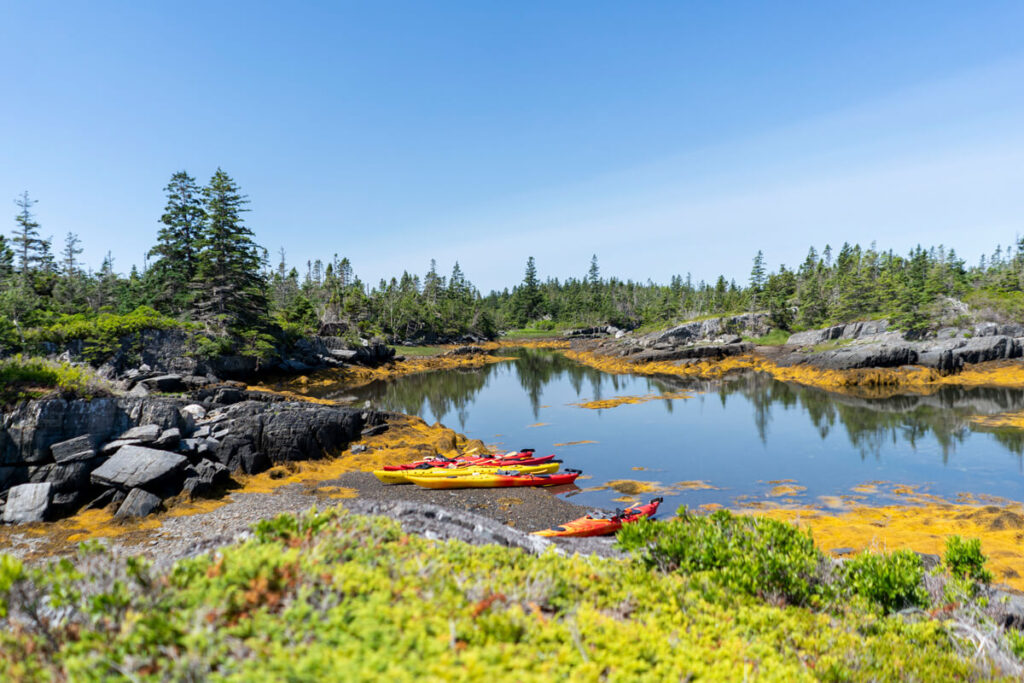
(777, 561)
(344, 597)
(965, 560)
(26, 378)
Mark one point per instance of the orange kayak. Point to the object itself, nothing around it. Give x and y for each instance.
(598, 526)
(497, 479)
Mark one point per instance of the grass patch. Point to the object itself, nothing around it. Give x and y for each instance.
(24, 378)
(776, 337)
(530, 333)
(417, 351)
(346, 597)
(830, 345)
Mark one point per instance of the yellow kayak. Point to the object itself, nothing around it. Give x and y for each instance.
(402, 476)
(498, 479)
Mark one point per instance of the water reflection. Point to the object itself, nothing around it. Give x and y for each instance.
(870, 424)
(452, 392)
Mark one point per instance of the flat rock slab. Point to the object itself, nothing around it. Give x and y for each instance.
(143, 434)
(139, 503)
(80, 448)
(137, 466)
(27, 503)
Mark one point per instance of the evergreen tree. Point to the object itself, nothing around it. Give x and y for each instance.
(228, 283)
(177, 245)
(594, 274)
(528, 296)
(6, 259)
(26, 236)
(69, 257)
(757, 279)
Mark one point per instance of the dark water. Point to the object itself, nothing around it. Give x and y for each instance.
(741, 436)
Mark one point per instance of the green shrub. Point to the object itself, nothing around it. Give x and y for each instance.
(965, 560)
(338, 596)
(102, 334)
(754, 555)
(25, 378)
(893, 582)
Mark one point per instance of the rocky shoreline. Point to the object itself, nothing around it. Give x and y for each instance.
(58, 455)
(871, 344)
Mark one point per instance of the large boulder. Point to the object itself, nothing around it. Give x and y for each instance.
(140, 467)
(254, 435)
(28, 432)
(165, 383)
(139, 503)
(27, 503)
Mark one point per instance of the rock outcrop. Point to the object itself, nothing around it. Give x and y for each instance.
(57, 455)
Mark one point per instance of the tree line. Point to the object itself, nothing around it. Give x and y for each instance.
(205, 267)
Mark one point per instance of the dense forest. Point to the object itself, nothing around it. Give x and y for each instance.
(205, 270)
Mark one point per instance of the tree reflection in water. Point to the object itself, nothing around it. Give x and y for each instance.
(869, 423)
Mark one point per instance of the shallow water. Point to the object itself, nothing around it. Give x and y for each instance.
(751, 438)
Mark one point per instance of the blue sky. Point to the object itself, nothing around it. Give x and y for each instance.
(664, 137)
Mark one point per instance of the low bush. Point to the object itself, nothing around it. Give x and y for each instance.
(25, 378)
(893, 582)
(344, 597)
(965, 560)
(102, 333)
(754, 555)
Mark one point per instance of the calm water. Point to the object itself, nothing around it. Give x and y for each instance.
(741, 436)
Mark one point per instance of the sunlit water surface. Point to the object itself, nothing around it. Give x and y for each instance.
(745, 436)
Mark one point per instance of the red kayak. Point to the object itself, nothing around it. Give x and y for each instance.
(525, 457)
(602, 526)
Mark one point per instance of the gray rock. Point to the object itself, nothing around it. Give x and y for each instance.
(194, 487)
(27, 503)
(265, 433)
(375, 430)
(71, 476)
(359, 448)
(80, 448)
(1006, 608)
(229, 396)
(66, 502)
(143, 434)
(114, 446)
(189, 445)
(139, 503)
(195, 410)
(103, 500)
(139, 391)
(165, 383)
(438, 523)
(139, 467)
(168, 439)
(211, 472)
(202, 432)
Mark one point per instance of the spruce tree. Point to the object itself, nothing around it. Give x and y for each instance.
(228, 284)
(6, 259)
(757, 279)
(177, 243)
(26, 236)
(528, 296)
